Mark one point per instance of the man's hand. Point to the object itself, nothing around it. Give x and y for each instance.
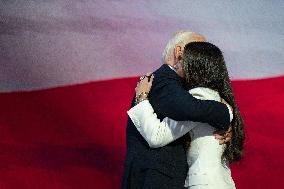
(223, 136)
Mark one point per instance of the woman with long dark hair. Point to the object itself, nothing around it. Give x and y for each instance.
(207, 78)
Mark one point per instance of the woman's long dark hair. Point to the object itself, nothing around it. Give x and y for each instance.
(204, 66)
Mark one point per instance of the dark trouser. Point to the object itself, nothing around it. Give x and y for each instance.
(153, 179)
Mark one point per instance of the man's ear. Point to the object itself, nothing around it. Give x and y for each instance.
(178, 52)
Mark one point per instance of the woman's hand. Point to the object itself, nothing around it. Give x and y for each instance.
(143, 87)
(145, 84)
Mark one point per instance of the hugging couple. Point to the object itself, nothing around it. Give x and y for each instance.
(184, 126)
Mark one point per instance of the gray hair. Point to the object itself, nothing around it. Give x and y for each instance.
(179, 37)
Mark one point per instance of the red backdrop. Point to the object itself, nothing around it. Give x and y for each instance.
(74, 137)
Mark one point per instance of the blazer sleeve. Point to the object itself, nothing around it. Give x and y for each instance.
(157, 133)
(170, 99)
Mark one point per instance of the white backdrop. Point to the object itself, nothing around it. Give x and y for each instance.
(51, 43)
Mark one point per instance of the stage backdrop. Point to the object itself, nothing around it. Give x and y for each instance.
(68, 70)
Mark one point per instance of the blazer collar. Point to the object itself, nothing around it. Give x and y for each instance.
(207, 93)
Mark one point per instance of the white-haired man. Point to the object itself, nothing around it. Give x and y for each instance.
(166, 167)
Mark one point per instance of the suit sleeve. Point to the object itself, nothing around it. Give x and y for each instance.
(157, 133)
(170, 99)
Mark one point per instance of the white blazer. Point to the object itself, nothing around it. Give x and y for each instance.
(206, 169)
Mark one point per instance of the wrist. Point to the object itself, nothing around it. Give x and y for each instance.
(141, 97)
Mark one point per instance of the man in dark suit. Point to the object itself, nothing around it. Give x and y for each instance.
(166, 167)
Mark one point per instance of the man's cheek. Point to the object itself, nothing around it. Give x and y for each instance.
(182, 74)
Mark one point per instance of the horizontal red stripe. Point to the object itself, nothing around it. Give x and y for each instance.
(74, 137)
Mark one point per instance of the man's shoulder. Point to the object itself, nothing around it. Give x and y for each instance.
(165, 72)
(163, 68)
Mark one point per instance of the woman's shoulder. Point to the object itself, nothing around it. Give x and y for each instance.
(205, 93)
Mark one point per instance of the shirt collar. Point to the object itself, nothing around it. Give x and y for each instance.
(172, 68)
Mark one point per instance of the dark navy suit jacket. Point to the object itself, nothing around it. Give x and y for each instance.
(169, 99)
